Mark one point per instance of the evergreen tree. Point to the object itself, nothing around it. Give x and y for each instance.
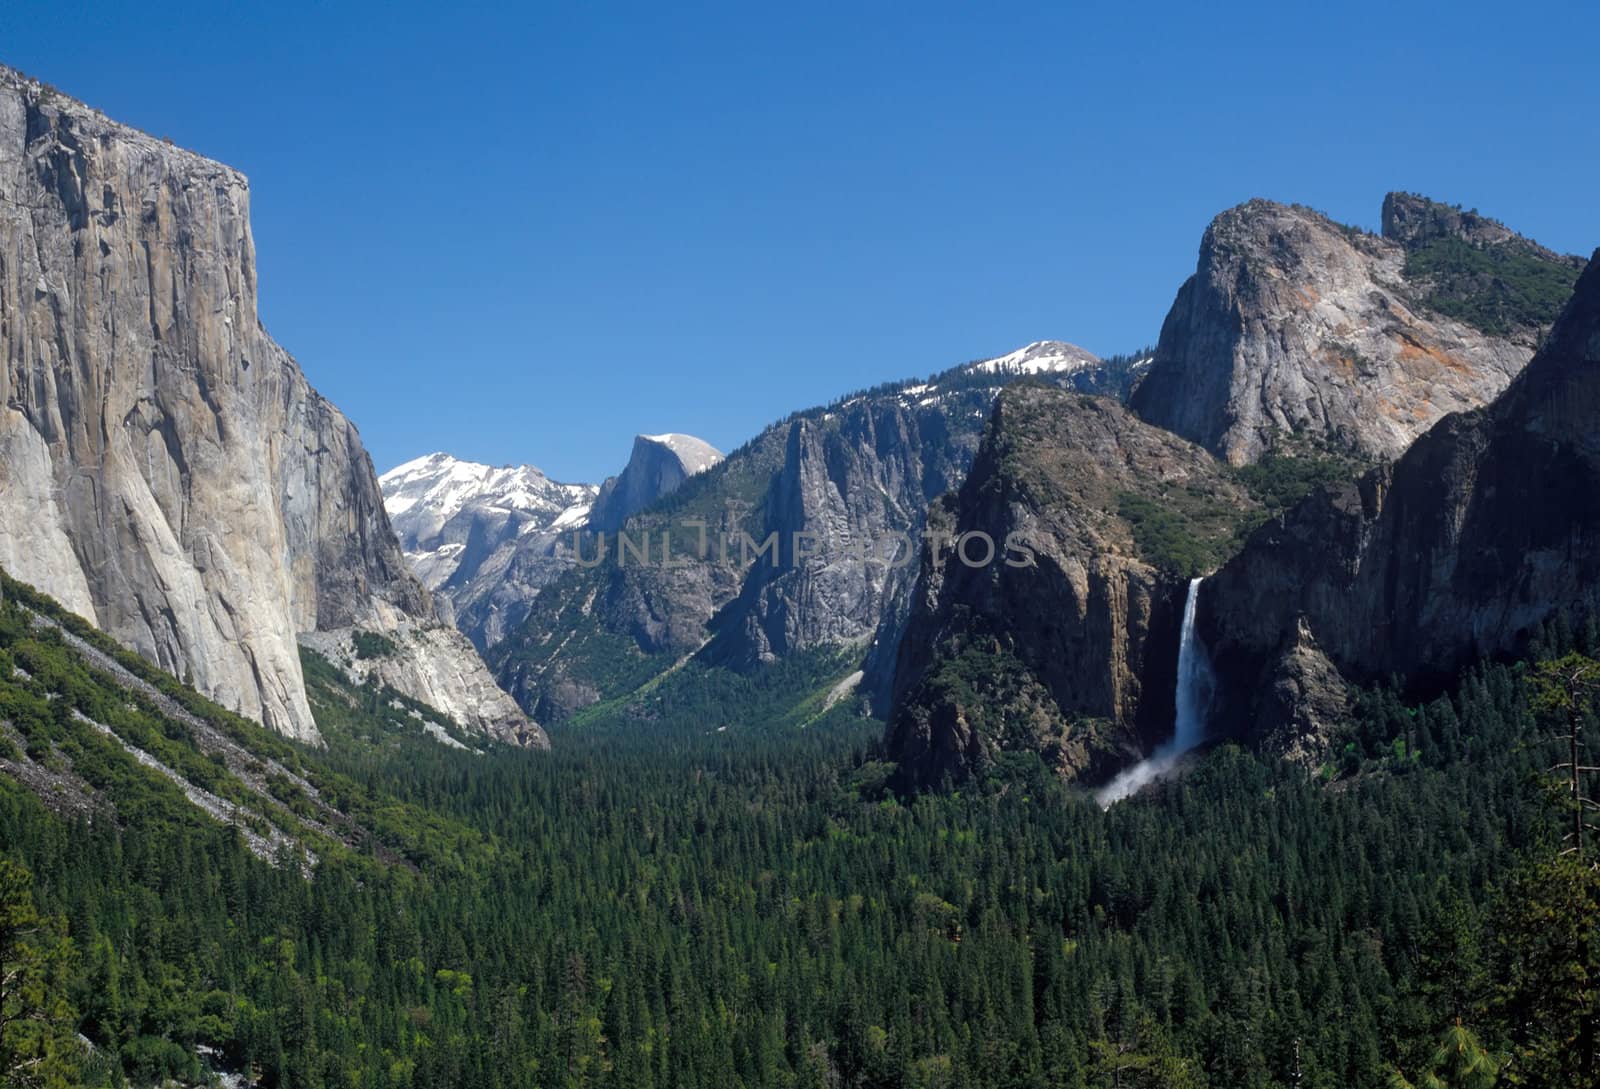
(1459, 1062)
(38, 1046)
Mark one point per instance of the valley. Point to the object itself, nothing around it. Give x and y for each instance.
(1225, 719)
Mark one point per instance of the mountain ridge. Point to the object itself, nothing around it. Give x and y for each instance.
(483, 539)
(864, 465)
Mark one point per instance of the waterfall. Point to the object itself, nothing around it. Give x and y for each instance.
(1191, 699)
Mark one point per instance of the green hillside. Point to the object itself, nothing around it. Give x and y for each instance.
(730, 899)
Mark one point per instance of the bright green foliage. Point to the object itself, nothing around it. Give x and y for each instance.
(1461, 1062)
(372, 644)
(1180, 530)
(38, 1040)
(1283, 478)
(1146, 1062)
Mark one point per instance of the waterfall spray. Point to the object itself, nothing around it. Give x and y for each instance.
(1191, 701)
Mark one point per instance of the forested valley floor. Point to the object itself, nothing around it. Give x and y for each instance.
(708, 888)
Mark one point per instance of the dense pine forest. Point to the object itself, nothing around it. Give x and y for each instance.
(700, 889)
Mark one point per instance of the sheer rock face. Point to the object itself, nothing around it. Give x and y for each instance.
(167, 470)
(1074, 654)
(1482, 531)
(853, 492)
(837, 480)
(657, 467)
(1296, 326)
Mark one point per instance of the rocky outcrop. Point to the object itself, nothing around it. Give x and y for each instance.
(1414, 222)
(1295, 329)
(1065, 642)
(485, 540)
(657, 467)
(168, 472)
(1482, 531)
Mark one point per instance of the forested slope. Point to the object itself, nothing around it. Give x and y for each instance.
(695, 906)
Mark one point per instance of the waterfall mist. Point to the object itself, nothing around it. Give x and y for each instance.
(1191, 698)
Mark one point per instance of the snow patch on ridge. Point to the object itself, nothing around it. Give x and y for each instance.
(1040, 357)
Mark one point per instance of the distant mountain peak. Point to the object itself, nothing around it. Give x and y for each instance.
(425, 493)
(1040, 357)
(459, 521)
(657, 467)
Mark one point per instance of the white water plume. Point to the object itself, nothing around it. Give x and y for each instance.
(1192, 699)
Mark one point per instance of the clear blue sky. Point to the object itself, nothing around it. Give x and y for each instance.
(525, 236)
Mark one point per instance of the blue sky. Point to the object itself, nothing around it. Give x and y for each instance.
(524, 234)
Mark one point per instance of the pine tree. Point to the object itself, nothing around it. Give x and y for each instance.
(1566, 688)
(1545, 961)
(38, 1046)
(1460, 1062)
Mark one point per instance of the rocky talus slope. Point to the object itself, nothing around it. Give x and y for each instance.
(1486, 528)
(1064, 644)
(168, 472)
(1295, 329)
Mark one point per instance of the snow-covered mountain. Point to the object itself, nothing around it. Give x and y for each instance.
(436, 502)
(483, 538)
(1040, 357)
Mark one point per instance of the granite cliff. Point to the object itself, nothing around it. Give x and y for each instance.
(851, 480)
(657, 467)
(1486, 528)
(1295, 330)
(168, 472)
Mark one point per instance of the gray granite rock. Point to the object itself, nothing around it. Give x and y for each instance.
(1486, 528)
(168, 472)
(1295, 327)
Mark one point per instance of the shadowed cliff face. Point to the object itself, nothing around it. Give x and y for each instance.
(1072, 655)
(864, 475)
(1295, 328)
(168, 471)
(1486, 527)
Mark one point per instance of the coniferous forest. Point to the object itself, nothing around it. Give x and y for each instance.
(728, 898)
(457, 632)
